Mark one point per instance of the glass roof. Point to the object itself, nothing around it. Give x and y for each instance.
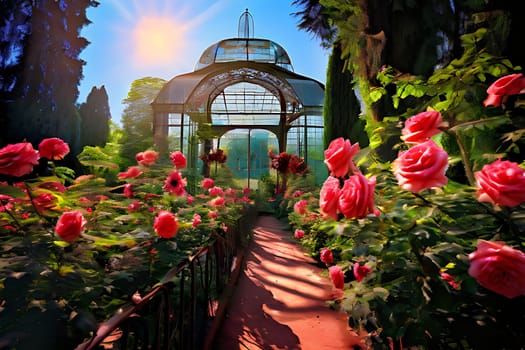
(245, 49)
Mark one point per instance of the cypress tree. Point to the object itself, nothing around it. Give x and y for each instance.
(341, 106)
(95, 116)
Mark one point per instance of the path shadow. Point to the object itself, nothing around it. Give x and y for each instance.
(249, 326)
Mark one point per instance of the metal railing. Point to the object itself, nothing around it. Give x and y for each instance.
(178, 312)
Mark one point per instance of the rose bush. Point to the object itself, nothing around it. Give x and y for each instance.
(100, 240)
(412, 276)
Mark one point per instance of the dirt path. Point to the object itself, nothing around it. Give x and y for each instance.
(279, 301)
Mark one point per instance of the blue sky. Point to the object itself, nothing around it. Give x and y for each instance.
(163, 38)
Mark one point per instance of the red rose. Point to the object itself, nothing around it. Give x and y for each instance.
(53, 148)
(44, 201)
(147, 158)
(166, 224)
(175, 183)
(356, 198)
(361, 271)
(18, 159)
(499, 268)
(337, 276)
(133, 171)
(326, 256)
(298, 234)
(128, 191)
(70, 225)
(512, 84)
(178, 159)
(422, 166)
(207, 183)
(421, 127)
(338, 157)
(329, 197)
(501, 183)
(216, 191)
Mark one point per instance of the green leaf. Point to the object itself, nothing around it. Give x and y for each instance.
(99, 164)
(61, 244)
(12, 191)
(376, 94)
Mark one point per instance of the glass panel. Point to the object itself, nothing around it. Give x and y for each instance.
(245, 104)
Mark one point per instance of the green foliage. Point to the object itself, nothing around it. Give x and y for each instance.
(95, 116)
(414, 240)
(137, 118)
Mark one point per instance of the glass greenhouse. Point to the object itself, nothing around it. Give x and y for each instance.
(245, 98)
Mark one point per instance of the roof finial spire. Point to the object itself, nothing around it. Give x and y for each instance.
(246, 25)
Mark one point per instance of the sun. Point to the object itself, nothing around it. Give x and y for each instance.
(157, 41)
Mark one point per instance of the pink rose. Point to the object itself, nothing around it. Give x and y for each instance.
(212, 214)
(356, 198)
(217, 202)
(337, 276)
(300, 207)
(18, 159)
(166, 224)
(421, 127)
(361, 271)
(147, 158)
(512, 84)
(422, 166)
(329, 197)
(53, 148)
(338, 157)
(326, 256)
(196, 220)
(501, 183)
(178, 159)
(499, 268)
(70, 225)
(134, 206)
(298, 234)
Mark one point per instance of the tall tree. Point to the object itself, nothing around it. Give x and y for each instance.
(137, 118)
(47, 89)
(15, 16)
(341, 106)
(95, 116)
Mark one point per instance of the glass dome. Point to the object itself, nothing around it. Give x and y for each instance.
(245, 49)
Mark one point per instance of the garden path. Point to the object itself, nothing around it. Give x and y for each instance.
(279, 301)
